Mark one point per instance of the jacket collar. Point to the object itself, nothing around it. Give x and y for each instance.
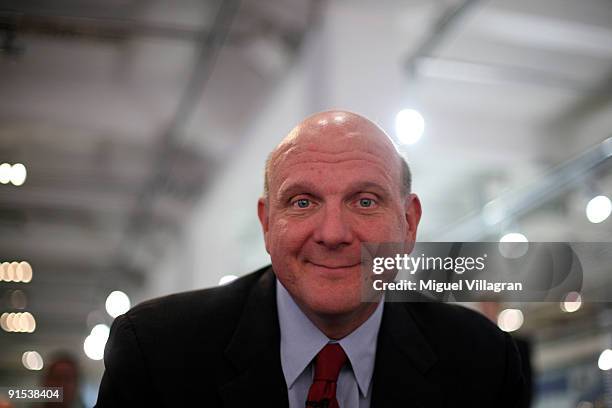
(403, 356)
(254, 350)
(403, 360)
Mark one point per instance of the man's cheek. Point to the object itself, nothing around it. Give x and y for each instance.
(289, 237)
(393, 230)
(381, 231)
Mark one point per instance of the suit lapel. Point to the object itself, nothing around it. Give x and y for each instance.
(403, 358)
(255, 352)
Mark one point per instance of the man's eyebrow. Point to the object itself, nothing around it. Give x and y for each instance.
(296, 188)
(311, 188)
(368, 185)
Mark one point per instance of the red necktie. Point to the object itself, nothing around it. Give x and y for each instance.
(328, 364)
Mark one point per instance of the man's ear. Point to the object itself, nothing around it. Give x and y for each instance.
(262, 213)
(412, 210)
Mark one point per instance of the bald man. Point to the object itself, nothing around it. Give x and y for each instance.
(298, 333)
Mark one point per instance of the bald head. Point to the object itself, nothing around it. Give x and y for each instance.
(336, 132)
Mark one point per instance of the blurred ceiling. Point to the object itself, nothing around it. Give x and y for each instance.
(97, 99)
(126, 112)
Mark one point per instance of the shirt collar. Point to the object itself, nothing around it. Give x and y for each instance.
(301, 340)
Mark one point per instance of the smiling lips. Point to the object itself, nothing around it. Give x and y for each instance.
(334, 266)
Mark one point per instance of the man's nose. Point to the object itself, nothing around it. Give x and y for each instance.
(333, 230)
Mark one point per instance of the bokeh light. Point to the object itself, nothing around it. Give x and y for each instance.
(598, 209)
(605, 360)
(32, 360)
(510, 320)
(96, 341)
(409, 126)
(572, 302)
(117, 303)
(18, 174)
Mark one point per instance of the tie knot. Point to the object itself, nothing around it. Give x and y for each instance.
(329, 362)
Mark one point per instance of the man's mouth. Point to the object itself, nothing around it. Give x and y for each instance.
(334, 266)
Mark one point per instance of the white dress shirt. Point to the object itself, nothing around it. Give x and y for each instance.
(301, 340)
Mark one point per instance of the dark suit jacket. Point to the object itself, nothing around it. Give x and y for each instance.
(220, 347)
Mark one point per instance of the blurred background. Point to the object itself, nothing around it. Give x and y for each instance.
(133, 135)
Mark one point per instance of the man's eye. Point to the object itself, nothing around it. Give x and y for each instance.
(302, 203)
(366, 202)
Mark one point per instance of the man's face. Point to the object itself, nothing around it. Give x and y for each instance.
(333, 187)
